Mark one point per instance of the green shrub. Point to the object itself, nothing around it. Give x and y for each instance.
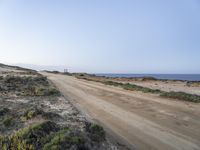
(132, 87)
(113, 83)
(8, 121)
(45, 91)
(49, 136)
(148, 78)
(182, 96)
(3, 111)
(29, 138)
(96, 132)
(29, 86)
(14, 143)
(31, 113)
(64, 139)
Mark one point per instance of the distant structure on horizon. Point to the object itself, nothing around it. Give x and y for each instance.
(65, 70)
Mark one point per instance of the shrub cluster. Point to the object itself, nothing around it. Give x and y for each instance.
(182, 96)
(48, 135)
(28, 86)
(132, 87)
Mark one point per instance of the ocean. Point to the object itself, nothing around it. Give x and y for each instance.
(188, 77)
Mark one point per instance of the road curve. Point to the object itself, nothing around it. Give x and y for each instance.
(144, 121)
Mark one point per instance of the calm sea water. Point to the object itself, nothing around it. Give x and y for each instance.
(189, 77)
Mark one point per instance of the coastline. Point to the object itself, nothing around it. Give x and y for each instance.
(175, 77)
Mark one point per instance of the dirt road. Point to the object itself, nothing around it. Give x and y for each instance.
(144, 121)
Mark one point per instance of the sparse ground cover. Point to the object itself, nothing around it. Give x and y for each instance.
(133, 87)
(182, 96)
(27, 86)
(35, 116)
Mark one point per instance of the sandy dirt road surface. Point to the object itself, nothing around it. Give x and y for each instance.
(142, 121)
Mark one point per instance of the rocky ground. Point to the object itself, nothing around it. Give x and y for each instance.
(35, 115)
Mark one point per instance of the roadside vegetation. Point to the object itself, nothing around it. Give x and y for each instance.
(35, 116)
(174, 95)
(27, 86)
(132, 87)
(182, 96)
(32, 128)
(50, 136)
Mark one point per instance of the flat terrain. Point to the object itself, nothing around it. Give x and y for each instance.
(143, 120)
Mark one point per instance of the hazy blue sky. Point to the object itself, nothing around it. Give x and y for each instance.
(143, 36)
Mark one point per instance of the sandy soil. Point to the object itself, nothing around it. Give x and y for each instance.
(164, 85)
(144, 121)
(169, 86)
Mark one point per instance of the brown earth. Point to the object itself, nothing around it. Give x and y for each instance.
(140, 120)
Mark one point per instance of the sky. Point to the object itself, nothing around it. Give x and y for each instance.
(102, 36)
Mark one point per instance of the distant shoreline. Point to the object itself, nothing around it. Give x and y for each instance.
(181, 77)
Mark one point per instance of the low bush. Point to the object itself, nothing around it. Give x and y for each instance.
(134, 87)
(8, 121)
(28, 86)
(181, 96)
(148, 78)
(96, 132)
(113, 83)
(31, 113)
(49, 136)
(65, 139)
(44, 91)
(29, 138)
(4, 111)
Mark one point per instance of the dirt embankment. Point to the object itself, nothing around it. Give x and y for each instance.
(141, 120)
